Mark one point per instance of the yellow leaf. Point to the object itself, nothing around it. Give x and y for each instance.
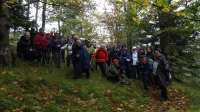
(166, 9)
(180, 14)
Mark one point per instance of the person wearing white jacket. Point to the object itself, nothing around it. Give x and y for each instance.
(134, 62)
(68, 46)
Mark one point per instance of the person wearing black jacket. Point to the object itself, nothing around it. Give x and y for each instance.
(76, 57)
(160, 71)
(25, 48)
(56, 45)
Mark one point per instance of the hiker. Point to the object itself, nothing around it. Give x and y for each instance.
(160, 68)
(63, 42)
(141, 55)
(85, 61)
(47, 45)
(92, 57)
(101, 57)
(125, 60)
(68, 46)
(44, 48)
(135, 60)
(38, 42)
(56, 45)
(24, 47)
(116, 72)
(50, 47)
(76, 57)
(150, 58)
(144, 71)
(33, 34)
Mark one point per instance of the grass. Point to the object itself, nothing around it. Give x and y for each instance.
(26, 81)
(32, 88)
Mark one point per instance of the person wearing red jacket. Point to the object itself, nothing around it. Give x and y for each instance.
(45, 54)
(38, 40)
(41, 45)
(101, 56)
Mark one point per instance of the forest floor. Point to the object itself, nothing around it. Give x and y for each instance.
(32, 88)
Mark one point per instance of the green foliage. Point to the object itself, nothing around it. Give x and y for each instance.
(8, 103)
(18, 14)
(71, 14)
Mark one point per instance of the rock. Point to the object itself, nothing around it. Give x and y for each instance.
(108, 93)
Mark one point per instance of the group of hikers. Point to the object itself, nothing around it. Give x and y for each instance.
(116, 62)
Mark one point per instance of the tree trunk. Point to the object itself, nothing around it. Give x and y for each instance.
(5, 51)
(28, 10)
(44, 14)
(166, 20)
(59, 20)
(59, 27)
(4, 25)
(36, 15)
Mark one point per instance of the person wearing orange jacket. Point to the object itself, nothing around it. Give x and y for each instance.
(101, 56)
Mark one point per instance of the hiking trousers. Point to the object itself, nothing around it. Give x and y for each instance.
(103, 68)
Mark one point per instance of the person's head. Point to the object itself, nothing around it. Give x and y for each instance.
(141, 50)
(97, 46)
(32, 29)
(27, 35)
(149, 50)
(116, 61)
(134, 48)
(57, 35)
(47, 35)
(41, 30)
(157, 53)
(78, 41)
(75, 37)
(102, 46)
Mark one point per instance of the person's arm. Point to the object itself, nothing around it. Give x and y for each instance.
(64, 47)
(166, 64)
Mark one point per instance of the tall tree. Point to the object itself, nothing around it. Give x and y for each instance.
(44, 14)
(4, 24)
(36, 13)
(28, 8)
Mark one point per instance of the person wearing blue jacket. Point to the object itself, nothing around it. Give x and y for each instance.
(85, 61)
(125, 60)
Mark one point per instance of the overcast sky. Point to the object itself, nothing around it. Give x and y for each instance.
(101, 5)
